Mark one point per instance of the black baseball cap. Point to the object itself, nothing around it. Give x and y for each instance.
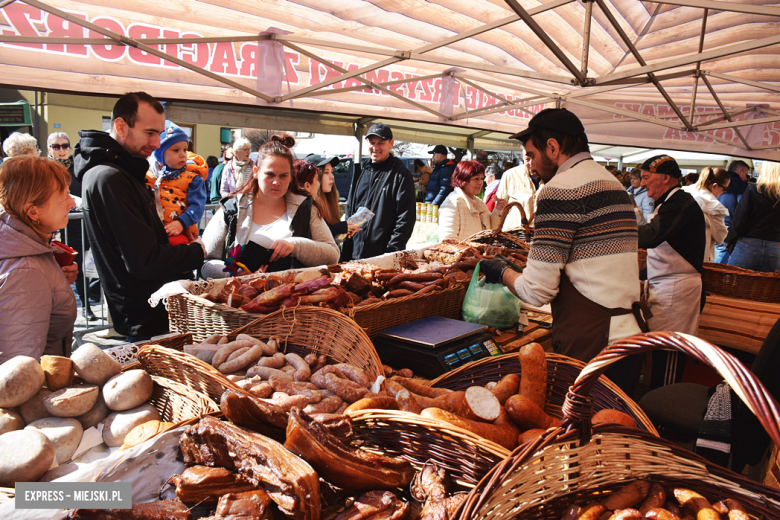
(439, 148)
(320, 160)
(555, 119)
(380, 130)
(662, 164)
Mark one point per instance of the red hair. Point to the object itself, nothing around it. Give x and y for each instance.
(464, 171)
(304, 172)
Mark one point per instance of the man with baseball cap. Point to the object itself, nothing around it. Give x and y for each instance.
(385, 186)
(440, 181)
(583, 259)
(675, 241)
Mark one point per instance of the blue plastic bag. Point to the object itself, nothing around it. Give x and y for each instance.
(490, 304)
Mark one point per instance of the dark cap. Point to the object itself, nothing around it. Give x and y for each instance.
(554, 119)
(380, 130)
(662, 164)
(439, 148)
(320, 160)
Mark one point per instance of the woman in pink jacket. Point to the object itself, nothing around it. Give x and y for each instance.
(37, 305)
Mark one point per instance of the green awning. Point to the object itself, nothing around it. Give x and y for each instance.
(15, 114)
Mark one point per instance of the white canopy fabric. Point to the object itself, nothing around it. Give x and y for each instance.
(696, 75)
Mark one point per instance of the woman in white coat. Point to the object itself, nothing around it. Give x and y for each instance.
(712, 183)
(462, 213)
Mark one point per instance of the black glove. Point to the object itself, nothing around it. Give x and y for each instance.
(511, 263)
(494, 269)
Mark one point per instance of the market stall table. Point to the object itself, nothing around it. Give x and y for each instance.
(737, 323)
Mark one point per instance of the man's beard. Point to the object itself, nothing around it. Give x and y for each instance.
(546, 169)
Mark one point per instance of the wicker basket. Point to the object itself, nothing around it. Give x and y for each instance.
(745, 284)
(500, 238)
(321, 330)
(466, 457)
(184, 369)
(379, 316)
(576, 463)
(177, 402)
(202, 318)
(562, 371)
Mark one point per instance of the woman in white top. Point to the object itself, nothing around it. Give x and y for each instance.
(712, 183)
(271, 211)
(462, 214)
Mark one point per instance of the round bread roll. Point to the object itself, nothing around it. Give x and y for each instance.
(58, 371)
(145, 431)
(128, 390)
(33, 409)
(71, 401)
(25, 455)
(10, 421)
(118, 424)
(20, 378)
(93, 365)
(93, 417)
(64, 432)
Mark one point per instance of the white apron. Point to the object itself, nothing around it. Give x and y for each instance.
(674, 292)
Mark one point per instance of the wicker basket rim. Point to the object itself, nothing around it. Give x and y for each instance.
(733, 269)
(184, 358)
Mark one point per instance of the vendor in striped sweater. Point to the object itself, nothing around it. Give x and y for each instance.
(583, 259)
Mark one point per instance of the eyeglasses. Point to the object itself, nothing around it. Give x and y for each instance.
(65, 146)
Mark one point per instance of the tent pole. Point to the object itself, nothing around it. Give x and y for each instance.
(586, 37)
(692, 112)
(725, 112)
(747, 82)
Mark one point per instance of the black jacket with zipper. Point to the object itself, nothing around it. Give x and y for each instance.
(129, 243)
(387, 189)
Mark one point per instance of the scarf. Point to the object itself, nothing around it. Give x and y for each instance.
(240, 171)
(67, 163)
(714, 441)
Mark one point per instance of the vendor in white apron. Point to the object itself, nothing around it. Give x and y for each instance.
(675, 241)
(583, 257)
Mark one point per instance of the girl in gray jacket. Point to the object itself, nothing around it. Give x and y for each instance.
(37, 306)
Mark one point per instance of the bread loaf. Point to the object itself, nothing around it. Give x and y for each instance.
(20, 378)
(64, 432)
(127, 390)
(93, 365)
(71, 401)
(145, 431)
(58, 371)
(33, 409)
(25, 455)
(10, 421)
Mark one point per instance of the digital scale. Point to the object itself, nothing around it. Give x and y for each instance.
(434, 345)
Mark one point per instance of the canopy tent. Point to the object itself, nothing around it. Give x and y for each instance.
(698, 75)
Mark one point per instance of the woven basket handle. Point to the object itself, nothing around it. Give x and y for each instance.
(577, 407)
(504, 213)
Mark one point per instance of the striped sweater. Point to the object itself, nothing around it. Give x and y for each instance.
(585, 225)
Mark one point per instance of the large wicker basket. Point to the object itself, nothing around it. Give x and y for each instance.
(177, 402)
(562, 371)
(576, 463)
(501, 238)
(201, 318)
(735, 282)
(321, 330)
(466, 457)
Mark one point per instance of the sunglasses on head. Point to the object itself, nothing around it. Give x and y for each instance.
(65, 146)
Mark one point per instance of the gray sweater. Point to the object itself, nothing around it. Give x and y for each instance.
(320, 250)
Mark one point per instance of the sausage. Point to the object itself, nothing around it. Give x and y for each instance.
(288, 369)
(212, 340)
(658, 513)
(356, 374)
(396, 293)
(393, 388)
(302, 369)
(412, 286)
(571, 512)
(406, 402)
(222, 354)
(533, 373)
(388, 371)
(429, 289)
(736, 510)
(491, 385)
(328, 405)
(268, 349)
(285, 403)
(294, 388)
(327, 369)
(223, 340)
(344, 388)
(267, 372)
(609, 416)
(242, 361)
(261, 390)
(424, 390)
(310, 358)
(476, 403)
(368, 301)
(275, 361)
(656, 497)
(591, 512)
(428, 276)
(627, 496)
(237, 353)
(672, 508)
(527, 415)
(373, 403)
(502, 436)
(626, 514)
(322, 360)
(696, 503)
(405, 372)
(506, 388)
(503, 421)
(529, 435)
(384, 277)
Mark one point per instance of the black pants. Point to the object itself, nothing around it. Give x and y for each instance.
(74, 241)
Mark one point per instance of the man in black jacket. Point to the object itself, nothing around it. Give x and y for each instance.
(130, 245)
(440, 181)
(385, 186)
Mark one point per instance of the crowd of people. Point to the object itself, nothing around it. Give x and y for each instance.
(143, 193)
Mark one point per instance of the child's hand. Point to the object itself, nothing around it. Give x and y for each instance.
(175, 228)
